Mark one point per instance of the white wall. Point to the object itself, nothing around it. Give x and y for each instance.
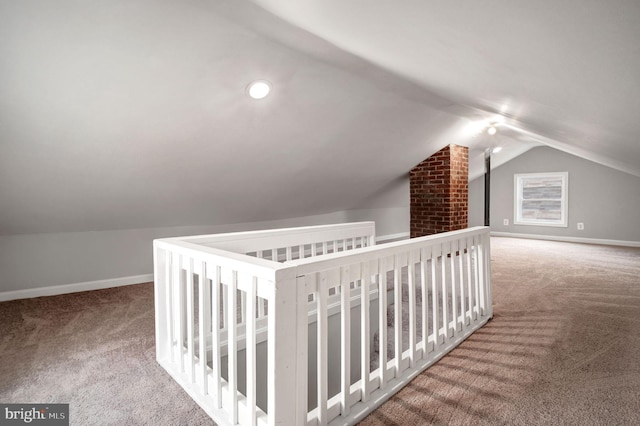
(33, 262)
(390, 221)
(606, 200)
(388, 207)
(476, 202)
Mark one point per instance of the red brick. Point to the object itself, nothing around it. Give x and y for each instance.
(439, 192)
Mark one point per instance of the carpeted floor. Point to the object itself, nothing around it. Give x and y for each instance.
(562, 349)
(96, 351)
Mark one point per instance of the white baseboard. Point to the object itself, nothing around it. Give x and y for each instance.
(74, 288)
(389, 237)
(623, 243)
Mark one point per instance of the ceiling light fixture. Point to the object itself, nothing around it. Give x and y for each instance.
(259, 89)
(496, 149)
(492, 130)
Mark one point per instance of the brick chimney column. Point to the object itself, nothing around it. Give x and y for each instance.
(439, 192)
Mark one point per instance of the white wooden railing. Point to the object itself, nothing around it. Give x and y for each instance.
(278, 327)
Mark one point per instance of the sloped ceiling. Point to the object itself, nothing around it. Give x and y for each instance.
(131, 114)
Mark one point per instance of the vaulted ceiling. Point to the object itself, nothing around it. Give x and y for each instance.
(131, 114)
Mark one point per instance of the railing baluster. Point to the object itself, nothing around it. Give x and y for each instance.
(476, 247)
(171, 284)
(190, 320)
(487, 273)
(445, 295)
(181, 315)
(382, 324)
(481, 260)
(345, 343)
(463, 310)
(434, 297)
(322, 328)
(425, 301)
(204, 317)
(411, 286)
(365, 358)
(397, 305)
(250, 320)
(232, 344)
(469, 243)
(215, 337)
(454, 297)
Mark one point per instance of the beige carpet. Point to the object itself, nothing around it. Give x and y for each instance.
(563, 348)
(95, 351)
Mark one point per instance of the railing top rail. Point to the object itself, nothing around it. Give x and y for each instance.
(248, 241)
(333, 260)
(261, 268)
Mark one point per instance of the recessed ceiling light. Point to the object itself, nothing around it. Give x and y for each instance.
(497, 149)
(492, 130)
(259, 89)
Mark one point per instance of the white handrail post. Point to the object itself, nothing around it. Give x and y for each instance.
(286, 399)
(322, 324)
